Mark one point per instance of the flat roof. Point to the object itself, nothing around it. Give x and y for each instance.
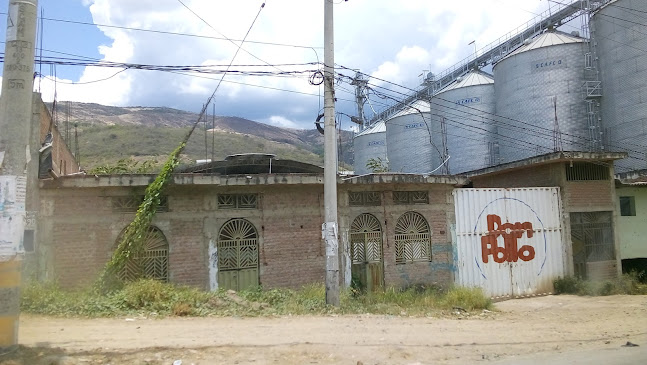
(549, 158)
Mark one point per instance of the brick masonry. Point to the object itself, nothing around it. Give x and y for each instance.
(80, 229)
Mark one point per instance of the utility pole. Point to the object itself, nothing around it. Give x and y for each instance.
(15, 153)
(329, 229)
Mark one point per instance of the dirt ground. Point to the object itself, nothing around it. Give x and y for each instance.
(541, 326)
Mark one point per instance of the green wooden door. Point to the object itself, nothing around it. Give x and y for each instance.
(366, 252)
(238, 255)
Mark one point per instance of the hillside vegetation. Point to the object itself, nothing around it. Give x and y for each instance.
(108, 134)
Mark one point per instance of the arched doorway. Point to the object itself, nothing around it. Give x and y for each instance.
(151, 262)
(237, 255)
(366, 252)
(412, 238)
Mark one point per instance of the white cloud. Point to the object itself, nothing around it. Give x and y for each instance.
(393, 40)
(280, 121)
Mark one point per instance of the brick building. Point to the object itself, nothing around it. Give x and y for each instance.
(254, 228)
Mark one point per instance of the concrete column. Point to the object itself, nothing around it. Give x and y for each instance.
(15, 154)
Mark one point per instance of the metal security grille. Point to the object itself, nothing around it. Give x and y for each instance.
(130, 204)
(152, 262)
(237, 246)
(237, 201)
(411, 197)
(592, 236)
(412, 239)
(366, 239)
(364, 198)
(579, 171)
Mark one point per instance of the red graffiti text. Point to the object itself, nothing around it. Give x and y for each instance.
(510, 232)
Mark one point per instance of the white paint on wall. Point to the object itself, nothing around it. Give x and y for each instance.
(213, 266)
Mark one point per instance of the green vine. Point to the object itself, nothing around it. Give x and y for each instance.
(131, 243)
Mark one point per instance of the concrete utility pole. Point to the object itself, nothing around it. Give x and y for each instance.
(329, 228)
(15, 153)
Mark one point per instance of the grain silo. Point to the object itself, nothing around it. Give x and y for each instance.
(467, 109)
(408, 139)
(370, 144)
(620, 43)
(539, 97)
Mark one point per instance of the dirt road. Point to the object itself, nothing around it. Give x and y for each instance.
(545, 326)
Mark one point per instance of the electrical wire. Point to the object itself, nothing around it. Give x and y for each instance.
(223, 38)
(85, 82)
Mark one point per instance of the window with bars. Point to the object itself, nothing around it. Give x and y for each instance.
(130, 204)
(582, 171)
(237, 201)
(364, 198)
(411, 197)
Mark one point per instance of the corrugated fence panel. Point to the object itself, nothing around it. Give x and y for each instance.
(509, 241)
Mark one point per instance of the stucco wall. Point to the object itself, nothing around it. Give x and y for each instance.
(632, 230)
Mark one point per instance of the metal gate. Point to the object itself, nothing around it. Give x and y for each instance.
(237, 255)
(366, 252)
(509, 241)
(151, 262)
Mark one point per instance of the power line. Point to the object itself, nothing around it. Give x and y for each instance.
(222, 38)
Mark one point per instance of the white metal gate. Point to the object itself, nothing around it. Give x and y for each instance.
(509, 241)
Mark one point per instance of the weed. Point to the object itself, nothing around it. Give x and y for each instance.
(149, 296)
(625, 284)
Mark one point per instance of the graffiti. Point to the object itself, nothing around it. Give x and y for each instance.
(510, 232)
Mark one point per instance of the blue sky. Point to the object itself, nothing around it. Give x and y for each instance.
(391, 40)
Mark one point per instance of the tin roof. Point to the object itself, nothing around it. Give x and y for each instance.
(378, 127)
(472, 78)
(412, 108)
(546, 40)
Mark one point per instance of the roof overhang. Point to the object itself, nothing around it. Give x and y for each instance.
(550, 158)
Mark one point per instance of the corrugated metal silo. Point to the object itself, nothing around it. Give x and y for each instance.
(408, 140)
(546, 71)
(368, 144)
(621, 46)
(467, 108)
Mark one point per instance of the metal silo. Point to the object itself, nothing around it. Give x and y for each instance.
(408, 140)
(368, 144)
(621, 47)
(539, 99)
(467, 110)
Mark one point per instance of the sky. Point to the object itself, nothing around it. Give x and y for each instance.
(394, 41)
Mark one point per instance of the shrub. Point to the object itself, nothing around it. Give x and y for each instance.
(626, 284)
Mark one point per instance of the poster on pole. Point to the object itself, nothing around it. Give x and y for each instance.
(12, 215)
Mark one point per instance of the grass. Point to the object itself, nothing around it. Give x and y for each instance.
(105, 145)
(149, 297)
(626, 284)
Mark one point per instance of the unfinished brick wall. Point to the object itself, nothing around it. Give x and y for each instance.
(81, 227)
(536, 176)
(585, 195)
(439, 213)
(63, 161)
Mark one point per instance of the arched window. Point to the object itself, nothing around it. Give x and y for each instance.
(412, 238)
(152, 262)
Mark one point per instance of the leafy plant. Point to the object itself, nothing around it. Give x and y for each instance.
(377, 165)
(132, 240)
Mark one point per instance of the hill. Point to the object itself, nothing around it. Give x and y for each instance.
(107, 134)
